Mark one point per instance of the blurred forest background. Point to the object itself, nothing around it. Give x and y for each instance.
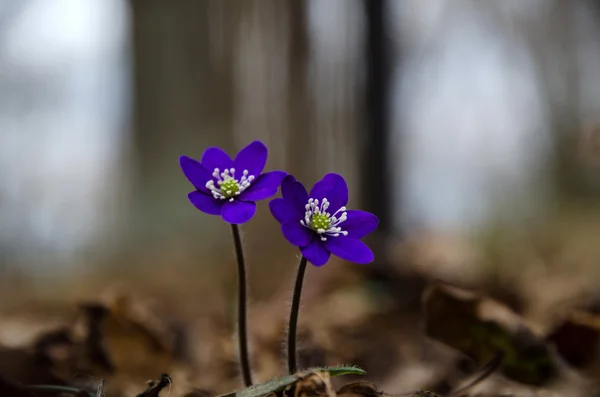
(471, 128)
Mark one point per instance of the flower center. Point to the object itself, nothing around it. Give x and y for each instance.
(319, 220)
(227, 185)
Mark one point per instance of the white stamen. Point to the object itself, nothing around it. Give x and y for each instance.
(312, 209)
(227, 177)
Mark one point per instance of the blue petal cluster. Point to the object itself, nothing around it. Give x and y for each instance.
(319, 223)
(230, 188)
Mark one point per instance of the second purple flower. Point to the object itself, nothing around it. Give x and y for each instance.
(319, 222)
(229, 187)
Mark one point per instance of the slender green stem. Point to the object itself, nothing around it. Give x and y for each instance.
(292, 360)
(242, 302)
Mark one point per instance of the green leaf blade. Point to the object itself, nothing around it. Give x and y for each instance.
(340, 370)
(277, 384)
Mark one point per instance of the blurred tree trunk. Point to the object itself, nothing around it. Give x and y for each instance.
(374, 165)
(557, 45)
(207, 73)
(226, 72)
(272, 105)
(183, 95)
(298, 102)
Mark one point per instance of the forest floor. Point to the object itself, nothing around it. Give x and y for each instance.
(429, 317)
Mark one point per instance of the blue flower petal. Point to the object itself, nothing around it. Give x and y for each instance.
(252, 158)
(259, 195)
(237, 212)
(297, 234)
(195, 173)
(359, 223)
(333, 187)
(315, 252)
(215, 157)
(294, 192)
(284, 211)
(205, 203)
(264, 186)
(350, 249)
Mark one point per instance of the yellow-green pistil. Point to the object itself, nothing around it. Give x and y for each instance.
(318, 219)
(229, 187)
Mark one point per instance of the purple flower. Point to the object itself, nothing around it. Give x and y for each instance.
(319, 222)
(230, 187)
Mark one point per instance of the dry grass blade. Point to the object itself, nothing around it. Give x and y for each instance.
(424, 393)
(100, 389)
(284, 382)
(155, 386)
(482, 373)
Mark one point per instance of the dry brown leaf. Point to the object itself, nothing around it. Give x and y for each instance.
(10, 388)
(576, 339)
(480, 328)
(37, 365)
(155, 386)
(314, 384)
(359, 389)
(113, 338)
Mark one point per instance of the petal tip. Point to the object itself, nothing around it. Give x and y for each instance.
(215, 157)
(252, 157)
(271, 203)
(333, 175)
(375, 220)
(333, 187)
(367, 258)
(282, 173)
(183, 158)
(289, 180)
(257, 143)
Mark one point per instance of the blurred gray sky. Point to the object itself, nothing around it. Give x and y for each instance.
(470, 114)
(472, 106)
(64, 112)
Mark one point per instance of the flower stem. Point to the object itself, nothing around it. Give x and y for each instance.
(242, 328)
(292, 361)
